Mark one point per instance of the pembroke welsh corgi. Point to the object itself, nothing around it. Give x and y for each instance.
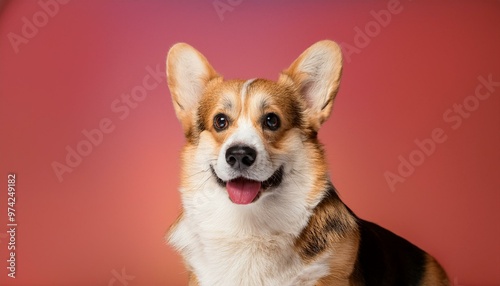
(259, 207)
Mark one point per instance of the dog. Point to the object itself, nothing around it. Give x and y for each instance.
(259, 207)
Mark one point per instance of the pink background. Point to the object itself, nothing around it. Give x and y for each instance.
(108, 216)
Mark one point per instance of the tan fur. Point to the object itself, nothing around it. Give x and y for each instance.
(315, 150)
(193, 280)
(434, 274)
(175, 223)
(342, 263)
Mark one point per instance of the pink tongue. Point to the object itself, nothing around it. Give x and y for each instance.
(242, 191)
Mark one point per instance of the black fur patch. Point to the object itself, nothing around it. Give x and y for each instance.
(297, 117)
(385, 258)
(200, 124)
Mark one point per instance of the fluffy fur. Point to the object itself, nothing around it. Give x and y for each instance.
(297, 231)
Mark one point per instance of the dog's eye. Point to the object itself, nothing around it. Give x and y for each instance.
(220, 122)
(271, 121)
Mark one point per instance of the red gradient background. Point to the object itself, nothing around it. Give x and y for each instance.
(109, 215)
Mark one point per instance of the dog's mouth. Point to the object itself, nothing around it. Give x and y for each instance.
(245, 191)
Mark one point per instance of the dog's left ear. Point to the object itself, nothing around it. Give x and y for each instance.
(316, 73)
(188, 73)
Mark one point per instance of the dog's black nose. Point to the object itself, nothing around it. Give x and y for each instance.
(240, 156)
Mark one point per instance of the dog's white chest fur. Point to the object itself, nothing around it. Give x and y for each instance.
(228, 246)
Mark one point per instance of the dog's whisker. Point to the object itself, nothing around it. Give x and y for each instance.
(198, 173)
(202, 183)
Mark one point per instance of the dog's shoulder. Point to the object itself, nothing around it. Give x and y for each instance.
(332, 232)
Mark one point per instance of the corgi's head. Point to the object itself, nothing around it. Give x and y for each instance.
(254, 140)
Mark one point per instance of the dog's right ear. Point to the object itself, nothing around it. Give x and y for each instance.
(316, 73)
(188, 73)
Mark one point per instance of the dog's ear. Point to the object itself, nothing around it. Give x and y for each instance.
(188, 73)
(316, 73)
